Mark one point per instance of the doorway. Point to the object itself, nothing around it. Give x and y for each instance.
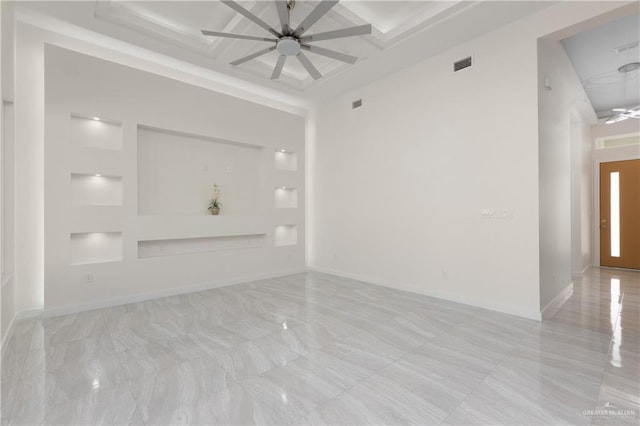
(620, 214)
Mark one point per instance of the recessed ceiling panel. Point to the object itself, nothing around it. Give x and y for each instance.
(596, 57)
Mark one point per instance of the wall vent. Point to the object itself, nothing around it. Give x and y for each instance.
(462, 64)
(626, 47)
(356, 104)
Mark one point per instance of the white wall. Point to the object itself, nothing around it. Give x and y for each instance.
(400, 183)
(564, 116)
(29, 171)
(8, 231)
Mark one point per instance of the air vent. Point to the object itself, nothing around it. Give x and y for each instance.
(626, 47)
(462, 64)
(356, 104)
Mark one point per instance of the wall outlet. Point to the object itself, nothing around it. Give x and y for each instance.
(88, 279)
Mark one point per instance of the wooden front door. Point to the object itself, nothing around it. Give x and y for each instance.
(620, 214)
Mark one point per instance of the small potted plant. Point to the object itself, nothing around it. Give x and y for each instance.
(215, 204)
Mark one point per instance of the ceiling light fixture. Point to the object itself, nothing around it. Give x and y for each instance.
(291, 41)
(631, 66)
(98, 175)
(621, 114)
(96, 118)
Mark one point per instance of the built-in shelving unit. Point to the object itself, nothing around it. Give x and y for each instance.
(173, 247)
(95, 132)
(97, 142)
(129, 171)
(96, 190)
(96, 247)
(286, 160)
(286, 235)
(286, 198)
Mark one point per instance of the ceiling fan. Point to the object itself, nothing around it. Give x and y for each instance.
(622, 114)
(292, 41)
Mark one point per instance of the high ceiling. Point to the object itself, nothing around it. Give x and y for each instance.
(596, 56)
(404, 32)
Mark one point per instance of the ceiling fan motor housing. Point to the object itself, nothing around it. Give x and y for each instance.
(288, 46)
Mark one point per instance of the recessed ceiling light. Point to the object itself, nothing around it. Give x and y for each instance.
(631, 66)
(282, 150)
(98, 175)
(96, 118)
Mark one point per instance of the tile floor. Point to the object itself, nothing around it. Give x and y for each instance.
(316, 349)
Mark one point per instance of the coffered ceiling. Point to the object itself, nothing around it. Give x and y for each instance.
(404, 32)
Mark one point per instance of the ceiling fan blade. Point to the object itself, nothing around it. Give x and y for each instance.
(278, 69)
(345, 32)
(240, 36)
(330, 53)
(241, 10)
(321, 9)
(616, 119)
(313, 71)
(283, 15)
(253, 55)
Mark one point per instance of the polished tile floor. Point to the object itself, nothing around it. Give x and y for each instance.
(316, 349)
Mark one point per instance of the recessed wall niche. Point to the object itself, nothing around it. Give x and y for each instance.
(286, 198)
(286, 160)
(286, 235)
(96, 190)
(177, 170)
(96, 247)
(157, 248)
(95, 132)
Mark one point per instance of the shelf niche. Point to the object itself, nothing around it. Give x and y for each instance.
(96, 247)
(95, 190)
(286, 160)
(96, 133)
(286, 235)
(174, 247)
(177, 170)
(286, 198)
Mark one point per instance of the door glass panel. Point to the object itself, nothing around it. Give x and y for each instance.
(615, 214)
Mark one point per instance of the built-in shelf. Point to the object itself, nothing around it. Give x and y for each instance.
(286, 160)
(174, 247)
(96, 247)
(286, 235)
(196, 226)
(286, 198)
(96, 190)
(95, 132)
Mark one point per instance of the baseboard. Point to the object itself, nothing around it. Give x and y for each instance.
(73, 309)
(557, 302)
(438, 295)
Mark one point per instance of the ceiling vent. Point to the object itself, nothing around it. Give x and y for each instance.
(356, 104)
(629, 46)
(462, 64)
